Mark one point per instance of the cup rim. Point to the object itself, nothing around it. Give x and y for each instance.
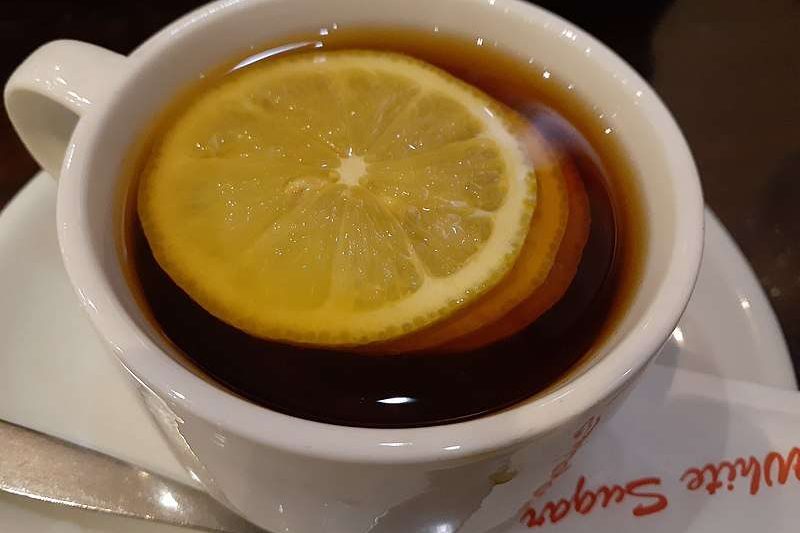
(159, 373)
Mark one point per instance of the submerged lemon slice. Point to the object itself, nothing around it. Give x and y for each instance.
(531, 270)
(337, 198)
(561, 273)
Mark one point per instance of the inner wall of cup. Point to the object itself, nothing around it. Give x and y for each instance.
(184, 51)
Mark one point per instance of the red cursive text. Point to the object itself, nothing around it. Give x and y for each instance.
(713, 477)
(584, 501)
(578, 439)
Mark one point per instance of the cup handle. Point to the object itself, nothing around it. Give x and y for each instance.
(49, 92)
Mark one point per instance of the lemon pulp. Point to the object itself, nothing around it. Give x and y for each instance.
(338, 198)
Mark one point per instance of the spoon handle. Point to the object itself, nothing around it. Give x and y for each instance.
(49, 469)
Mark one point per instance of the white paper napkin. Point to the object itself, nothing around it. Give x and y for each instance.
(687, 452)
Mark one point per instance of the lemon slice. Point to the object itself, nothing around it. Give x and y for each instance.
(561, 273)
(531, 269)
(337, 198)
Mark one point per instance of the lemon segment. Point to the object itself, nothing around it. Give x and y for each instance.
(337, 198)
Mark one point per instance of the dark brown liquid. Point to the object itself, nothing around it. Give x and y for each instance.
(424, 388)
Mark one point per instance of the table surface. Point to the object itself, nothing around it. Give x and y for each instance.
(728, 69)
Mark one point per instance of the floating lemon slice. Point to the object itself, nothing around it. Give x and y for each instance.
(338, 198)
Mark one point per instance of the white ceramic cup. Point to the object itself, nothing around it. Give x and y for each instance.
(79, 108)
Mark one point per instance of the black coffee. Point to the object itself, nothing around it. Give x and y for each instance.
(426, 388)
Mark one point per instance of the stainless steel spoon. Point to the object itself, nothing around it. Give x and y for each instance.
(52, 470)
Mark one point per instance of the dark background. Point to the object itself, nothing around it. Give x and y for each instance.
(728, 69)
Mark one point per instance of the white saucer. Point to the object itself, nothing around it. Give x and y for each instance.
(56, 377)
